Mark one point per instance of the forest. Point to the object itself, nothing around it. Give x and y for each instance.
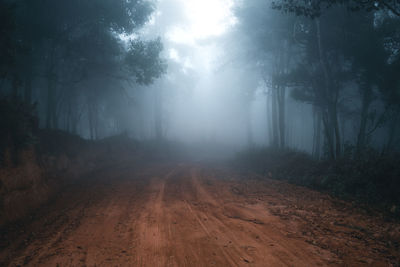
(262, 132)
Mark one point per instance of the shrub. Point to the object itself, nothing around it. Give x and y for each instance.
(374, 178)
(18, 124)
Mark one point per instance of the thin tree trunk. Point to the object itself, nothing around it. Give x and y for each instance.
(50, 101)
(314, 131)
(93, 117)
(328, 131)
(15, 88)
(74, 124)
(28, 75)
(337, 133)
(90, 117)
(318, 137)
(28, 88)
(274, 115)
(317, 133)
(281, 113)
(96, 120)
(331, 122)
(393, 125)
(68, 118)
(366, 102)
(51, 88)
(157, 114)
(269, 119)
(343, 130)
(249, 131)
(54, 115)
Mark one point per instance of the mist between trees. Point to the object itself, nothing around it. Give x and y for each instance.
(148, 132)
(319, 77)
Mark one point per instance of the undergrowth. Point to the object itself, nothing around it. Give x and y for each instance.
(373, 179)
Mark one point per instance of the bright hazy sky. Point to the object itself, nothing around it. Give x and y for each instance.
(189, 29)
(202, 92)
(205, 19)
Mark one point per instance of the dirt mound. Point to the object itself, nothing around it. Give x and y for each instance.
(58, 159)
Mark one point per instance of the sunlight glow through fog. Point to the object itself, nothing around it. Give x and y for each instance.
(207, 101)
(206, 18)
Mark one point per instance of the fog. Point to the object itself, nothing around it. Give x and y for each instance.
(201, 92)
(227, 73)
(199, 132)
(209, 95)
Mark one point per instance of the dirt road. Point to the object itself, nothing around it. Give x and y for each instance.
(188, 215)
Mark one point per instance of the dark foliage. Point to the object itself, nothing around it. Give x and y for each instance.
(144, 61)
(7, 44)
(373, 178)
(314, 8)
(57, 142)
(18, 124)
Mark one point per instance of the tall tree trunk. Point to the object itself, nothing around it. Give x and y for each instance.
(343, 130)
(281, 109)
(15, 88)
(51, 108)
(28, 88)
(338, 142)
(54, 114)
(392, 134)
(331, 94)
(96, 120)
(74, 124)
(158, 113)
(91, 122)
(291, 140)
(51, 87)
(318, 138)
(28, 77)
(366, 102)
(68, 118)
(317, 133)
(269, 119)
(50, 100)
(274, 115)
(328, 131)
(91, 131)
(249, 132)
(314, 111)
(93, 117)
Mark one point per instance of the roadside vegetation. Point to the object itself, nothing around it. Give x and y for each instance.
(372, 179)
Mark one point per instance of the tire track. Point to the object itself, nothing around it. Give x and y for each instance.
(168, 215)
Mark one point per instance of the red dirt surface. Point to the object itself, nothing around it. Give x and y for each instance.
(188, 215)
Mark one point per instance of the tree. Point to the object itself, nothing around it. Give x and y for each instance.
(8, 41)
(315, 8)
(271, 50)
(76, 53)
(76, 22)
(144, 63)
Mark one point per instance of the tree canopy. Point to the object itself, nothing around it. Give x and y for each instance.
(56, 52)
